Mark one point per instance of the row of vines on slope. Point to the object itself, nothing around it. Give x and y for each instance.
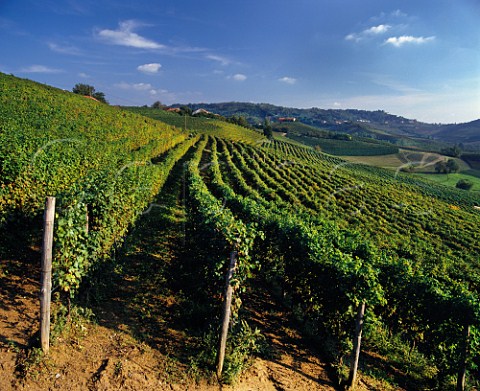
(329, 271)
(98, 211)
(103, 165)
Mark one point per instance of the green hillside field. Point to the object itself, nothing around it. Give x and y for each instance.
(152, 215)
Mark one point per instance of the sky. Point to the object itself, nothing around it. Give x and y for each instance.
(416, 58)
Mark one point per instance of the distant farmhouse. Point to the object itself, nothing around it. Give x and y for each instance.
(287, 119)
(205, 113)
(173, 110)
(201, 112)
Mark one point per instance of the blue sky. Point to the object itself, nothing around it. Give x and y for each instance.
(419, 59)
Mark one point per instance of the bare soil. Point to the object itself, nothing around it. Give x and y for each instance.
(108, 357)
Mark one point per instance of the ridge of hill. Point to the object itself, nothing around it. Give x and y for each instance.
(468, 132)
(374, 124)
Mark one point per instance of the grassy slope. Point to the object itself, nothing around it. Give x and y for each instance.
(424, 161)
(51, 139)
(452, 179)
(200, 124)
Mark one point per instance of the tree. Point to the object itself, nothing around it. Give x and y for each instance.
(100, 96)
(158, 105)
(83, 89)
(446, 167)
(88, 90)
(267, 129)
(239, 120)
(185, 110)
(441, 167)
(452, 165)
(464, 184)
(454, 151)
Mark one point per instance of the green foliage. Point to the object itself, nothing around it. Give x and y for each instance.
(446, 167)
(213, 223)
(88, 90)
(326, 271)
(267, 129)
(337, 145)
(158, 105)
(332, 235)
(95, 159)
(244, 343)
(401, 355)
(209, 126)
(454, 151)
(464, 184)
(71, 255)
(239, 120)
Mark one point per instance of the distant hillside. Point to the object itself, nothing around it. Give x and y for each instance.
(460, 133)
(216, 126)
(378, 124)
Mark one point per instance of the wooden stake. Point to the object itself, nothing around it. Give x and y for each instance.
(462, 371)
(46, 274)
(356, 346)
(226, 314)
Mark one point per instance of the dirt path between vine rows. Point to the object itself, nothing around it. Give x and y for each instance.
(138, 340)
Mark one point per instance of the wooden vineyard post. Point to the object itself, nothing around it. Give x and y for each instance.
(356, 346)
(227, 303)
(462, 371)
(46, 274)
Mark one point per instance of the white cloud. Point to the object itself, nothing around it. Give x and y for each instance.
(404, 39)
(144, 90)
(64, 49)
(134, 86)
(239, 77)
(288, 80)
(352, 37)
(40, 69)
(124, 36)
(380, 29)
(222, 60)
(371, 31)
(84, 75)
(149, 68)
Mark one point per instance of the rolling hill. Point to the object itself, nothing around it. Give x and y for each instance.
(159, 221)
(373, 124)
(460, 133)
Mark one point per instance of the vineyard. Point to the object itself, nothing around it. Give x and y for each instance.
(366, 260)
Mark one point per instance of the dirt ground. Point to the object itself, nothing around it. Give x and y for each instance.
(96, 357)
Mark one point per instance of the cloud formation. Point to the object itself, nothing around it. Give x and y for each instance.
(407, 39)
(149, 68)
(371, 31)
(239, 77)
(380, 29)
(288, 80)
(64, 49)
(40, 69)
(134, 86)
(222, 60)
(124, 36)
